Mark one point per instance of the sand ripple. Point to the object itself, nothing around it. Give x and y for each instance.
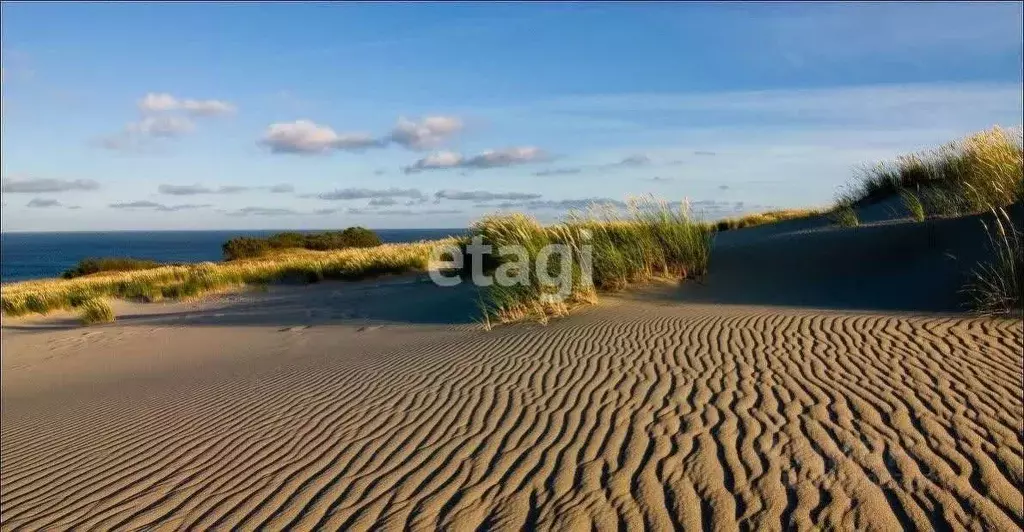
(631, 415)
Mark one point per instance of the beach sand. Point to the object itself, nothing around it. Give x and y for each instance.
(819, 377)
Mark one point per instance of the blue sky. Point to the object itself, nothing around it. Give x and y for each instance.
(205, 116)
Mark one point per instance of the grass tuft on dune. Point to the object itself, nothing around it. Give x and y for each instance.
(654, 239)
(96, 310)
(966, 176)
(997, 287)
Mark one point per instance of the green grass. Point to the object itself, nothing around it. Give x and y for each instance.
(95, 310)
(962, 177)
(843, 215)
(996, 286)
(653, 240)
(913, 204)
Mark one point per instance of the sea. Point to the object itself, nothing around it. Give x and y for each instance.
(40, 255)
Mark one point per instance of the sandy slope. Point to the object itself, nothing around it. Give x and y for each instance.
(665, 408)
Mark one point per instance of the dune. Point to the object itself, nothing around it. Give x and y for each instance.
(819, 377)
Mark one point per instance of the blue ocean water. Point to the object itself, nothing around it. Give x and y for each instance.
(38, 255)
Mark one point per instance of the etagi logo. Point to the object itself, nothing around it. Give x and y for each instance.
(553, 269)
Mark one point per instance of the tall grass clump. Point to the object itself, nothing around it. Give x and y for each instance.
(95, 310)
(962, 177)
(191, 280)
(608, 252)
(996, 286)
(913, 204)
(844, 215)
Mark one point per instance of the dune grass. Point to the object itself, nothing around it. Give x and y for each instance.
(962, 177)
(763, 218)
(608, 252)
(996, 286)
(844, 215)
(185, 281)
(913, 204)
(979, 173)
(95, 310)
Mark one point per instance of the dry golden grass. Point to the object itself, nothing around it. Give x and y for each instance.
(970, 175)
(762, 218)
(654, 239)
(176, 282)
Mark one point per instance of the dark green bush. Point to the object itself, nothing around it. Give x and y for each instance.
(244, 247)
(287, 240)
(109, 264)
(353, 237)
(248, 247)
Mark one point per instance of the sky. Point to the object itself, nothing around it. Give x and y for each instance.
(313, 115)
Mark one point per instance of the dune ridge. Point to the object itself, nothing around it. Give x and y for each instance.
(635, 413)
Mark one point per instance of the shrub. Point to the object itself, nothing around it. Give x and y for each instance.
(244, 247)
(109, 264)
(95, 310)
(353, 237)
(286, 240)
(249, 247)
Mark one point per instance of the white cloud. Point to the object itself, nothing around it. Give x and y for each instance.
(158, 102)
(425, 134)
(163, 102)
(488, 159)
(207, 107)
(436, 161)
(160, 126)
(506, 157)
(307, 137)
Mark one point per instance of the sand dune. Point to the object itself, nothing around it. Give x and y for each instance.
(664, 408)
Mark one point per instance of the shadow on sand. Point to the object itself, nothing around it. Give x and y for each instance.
(898, 265)
(886, 265)
(373, 302)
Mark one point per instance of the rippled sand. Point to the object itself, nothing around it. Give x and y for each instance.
(645, 411)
